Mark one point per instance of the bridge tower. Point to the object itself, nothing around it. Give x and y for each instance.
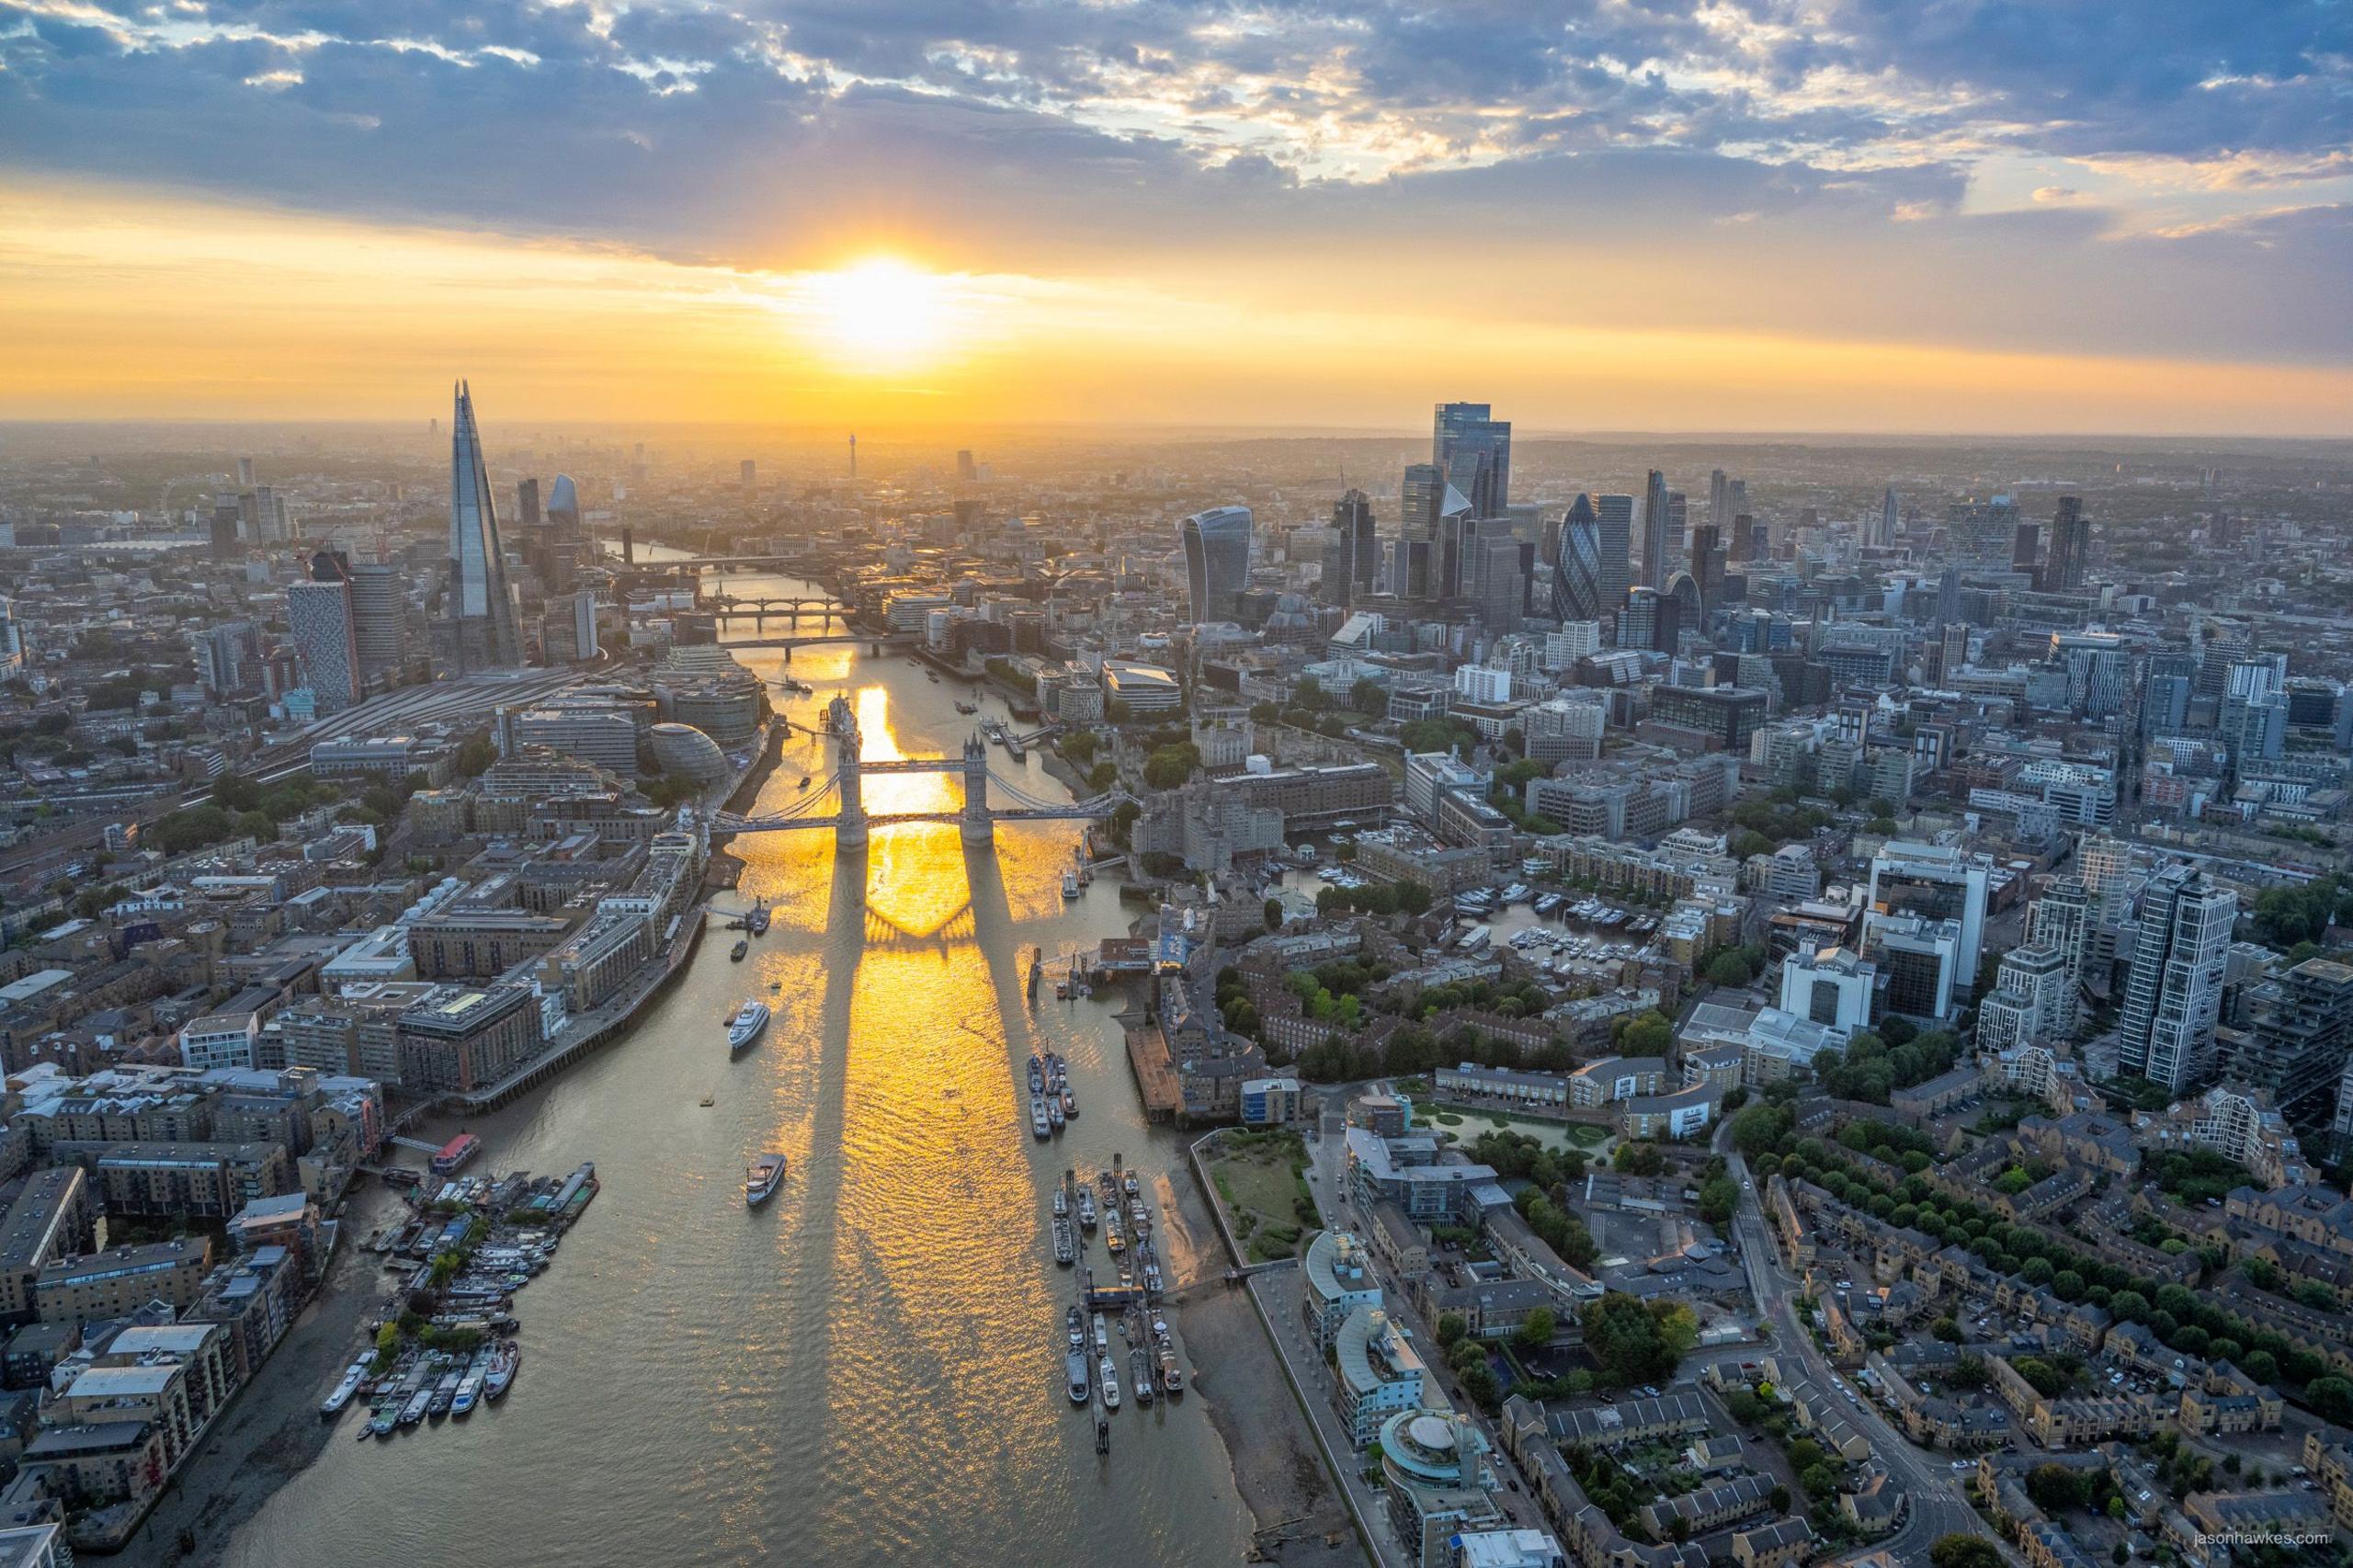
(842, 719)
(976, 826)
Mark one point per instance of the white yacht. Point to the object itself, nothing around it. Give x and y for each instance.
(762, 1179)
(745, 1026)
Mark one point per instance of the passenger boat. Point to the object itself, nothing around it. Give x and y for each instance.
(1110, 1385)
(745, 1026)
(1062, 1202)
(469, 1386)
(762, 1178)
(1075, 1366)
(1054, 1118)
(1171, 1378)
(1085, 1210)
(1036, 1075)
(1039, 1126)
(505, 1362)
(1102, 1334)
(1069, 1104)
(1075, 1321)
(1069, 884)
(743, 945)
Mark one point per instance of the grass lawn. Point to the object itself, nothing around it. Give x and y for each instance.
(1257, 1175)
(1585, 1135)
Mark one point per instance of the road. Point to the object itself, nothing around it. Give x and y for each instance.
(1936, 1506)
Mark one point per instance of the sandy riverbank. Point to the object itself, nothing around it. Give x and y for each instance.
(273, 1428)
(1301, 1519)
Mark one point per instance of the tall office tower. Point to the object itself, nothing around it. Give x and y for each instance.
(1503, 583)
(571, 625)
(1217, 560)
(2025, 549)
(965, 471)
(2071, 547)
(1351, 550)
(1577, 572)
(527, 502)
(319, 614)
(245, 473)
(1934, 882)
(1678, 526)
(1718, 500)
(2301, 1028)
(262, 513)
(1707, 564)
(1889, 513)
(1953, 645)
(564, 506)
(749, 476)
(1650, 619)
(12, 640)
(2174, 994)
(228, 657)
(489, 629)
(225, 543)
(2164, 701)
(1473, 452)
(378, 619)
(1737, 499)
(1656, 561)
(1420, 501)
(1615, 516)
(1948, 595)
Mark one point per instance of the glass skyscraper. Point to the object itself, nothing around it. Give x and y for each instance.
(1658, 557)
(1616, 515)
(489, 631)
(1577, 571)
(1217, 560)
(1473, 452)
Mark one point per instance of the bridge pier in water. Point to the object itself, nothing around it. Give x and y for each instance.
(976, 824)
(849, 828)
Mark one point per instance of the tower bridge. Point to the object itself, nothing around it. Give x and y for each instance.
(841, 803)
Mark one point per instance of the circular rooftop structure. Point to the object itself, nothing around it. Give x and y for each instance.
(687, 753)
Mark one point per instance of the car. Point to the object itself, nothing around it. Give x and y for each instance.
(1512, 1481)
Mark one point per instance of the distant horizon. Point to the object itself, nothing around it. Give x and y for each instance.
(1186, 429)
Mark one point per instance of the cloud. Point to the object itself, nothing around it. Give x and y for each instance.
(1831, 136)
(2053, 193)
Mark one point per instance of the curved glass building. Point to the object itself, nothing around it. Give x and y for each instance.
(482, 603)
(1217, 560)
(564, 505)
(1577, 588)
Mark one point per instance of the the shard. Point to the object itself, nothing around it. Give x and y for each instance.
(489, 632)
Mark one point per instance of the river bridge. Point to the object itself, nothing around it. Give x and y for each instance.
(790, 609)
(841, 803)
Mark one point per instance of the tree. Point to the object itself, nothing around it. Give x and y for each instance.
(1451, 1328)
(2054, 1488)
(1760, 1128)
(1274, 912)
(1369, 698)
(1171, 765)
(1730, 969)
(1536, 1331)
(1745, 1406)
(475, 755)
(1778, 1498)
(2330, 1398)
(1959, 1551)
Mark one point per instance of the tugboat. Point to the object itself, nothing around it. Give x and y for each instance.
(761, 1179)
(743, 945)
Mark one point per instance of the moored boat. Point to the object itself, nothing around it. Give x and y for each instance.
(1110, 1385)
(1069, 884)
(1039, 1126)
(418, 1404)
(743, 945)
(1074, 1368)
(334, 1401)
(505, 1362)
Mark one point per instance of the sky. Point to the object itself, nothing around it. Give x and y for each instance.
(2038, 216)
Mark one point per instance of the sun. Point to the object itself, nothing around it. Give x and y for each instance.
(880, 313)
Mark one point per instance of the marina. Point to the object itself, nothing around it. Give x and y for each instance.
(469, 1245)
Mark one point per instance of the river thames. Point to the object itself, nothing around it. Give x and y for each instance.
(869, 1370)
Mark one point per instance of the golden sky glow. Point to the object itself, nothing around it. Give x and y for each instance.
(117, 304)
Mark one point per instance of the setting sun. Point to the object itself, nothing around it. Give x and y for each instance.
(880, 313)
